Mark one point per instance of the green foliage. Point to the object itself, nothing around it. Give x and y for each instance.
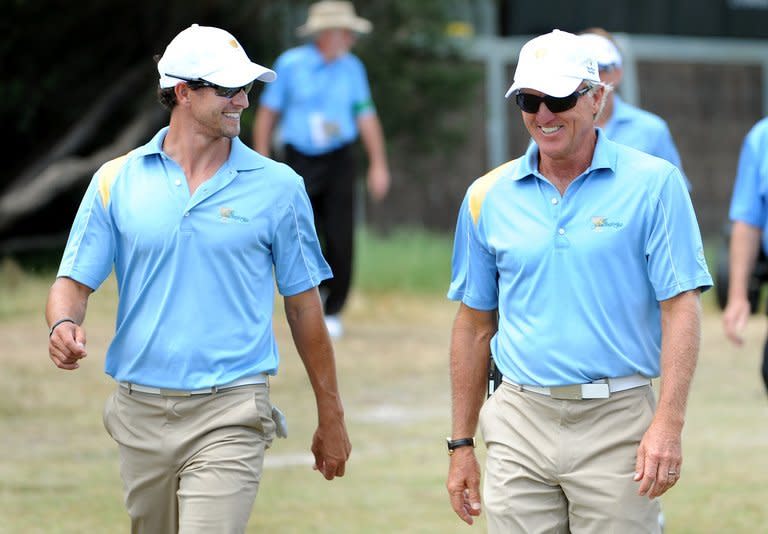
(417, 73)
(407, 260)
(58, 58)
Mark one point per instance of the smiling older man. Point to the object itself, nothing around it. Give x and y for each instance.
(583, 282)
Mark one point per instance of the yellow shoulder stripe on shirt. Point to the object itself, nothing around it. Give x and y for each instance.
(107, 174)
(482, 185)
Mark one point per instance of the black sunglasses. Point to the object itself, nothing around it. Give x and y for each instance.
(530, 103)
(226, 92)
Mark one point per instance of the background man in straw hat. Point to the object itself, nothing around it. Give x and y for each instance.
(198, 228)
(323, 102)
(580, 270)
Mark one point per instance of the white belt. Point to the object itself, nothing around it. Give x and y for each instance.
(240, 382)
(599, 389)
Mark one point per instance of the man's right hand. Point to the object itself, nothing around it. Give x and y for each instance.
(735, 317)
(331, 448)
(67, 345)
(464, 484)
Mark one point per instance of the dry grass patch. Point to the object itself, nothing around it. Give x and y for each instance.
(60, 473)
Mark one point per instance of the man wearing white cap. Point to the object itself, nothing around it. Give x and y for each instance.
(194, 224)
(323, 102)
(623, 122)
(583, 282)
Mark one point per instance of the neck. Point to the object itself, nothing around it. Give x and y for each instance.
(562, 171)
(198, 155)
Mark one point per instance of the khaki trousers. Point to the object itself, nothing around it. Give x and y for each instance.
(190, 464)
(560, 466)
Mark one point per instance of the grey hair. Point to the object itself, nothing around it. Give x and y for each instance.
(608, 89)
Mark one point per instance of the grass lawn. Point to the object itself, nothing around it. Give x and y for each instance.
(59, 472)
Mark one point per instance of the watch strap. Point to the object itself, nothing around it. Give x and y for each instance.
(454, 444)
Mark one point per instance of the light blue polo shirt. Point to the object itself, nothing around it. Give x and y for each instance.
(750, 191)
(640, 129)
(319, 102)
(194, 274)
(577, 279)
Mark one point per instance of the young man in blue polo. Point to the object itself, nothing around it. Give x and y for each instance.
(579, 267)
(194, 224)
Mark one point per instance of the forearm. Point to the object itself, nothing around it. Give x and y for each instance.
(744, 247)
(262, 130)
(681, 336)
(67, 299)
(372, 136)
(305, 319)
(470, 353)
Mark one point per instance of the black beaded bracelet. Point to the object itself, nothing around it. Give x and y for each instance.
(57, 323)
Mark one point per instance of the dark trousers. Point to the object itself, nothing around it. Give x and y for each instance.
(330, 182)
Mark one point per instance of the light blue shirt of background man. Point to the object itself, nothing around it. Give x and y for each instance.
(749, 215)
(623, 122)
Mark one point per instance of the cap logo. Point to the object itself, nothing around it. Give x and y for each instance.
(540, 53)
(233, 43)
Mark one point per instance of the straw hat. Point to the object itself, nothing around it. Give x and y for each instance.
(330, 14)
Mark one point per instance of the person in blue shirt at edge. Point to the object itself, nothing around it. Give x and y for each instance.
(194, 223)
(749, 218)
(322, 101)
(579, 267)
(623, 122)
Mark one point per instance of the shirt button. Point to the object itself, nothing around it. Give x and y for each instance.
(554, 201)
(178, 182)
(561, 231)
(186, 214)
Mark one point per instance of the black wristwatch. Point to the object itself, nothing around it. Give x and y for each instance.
(454, 444)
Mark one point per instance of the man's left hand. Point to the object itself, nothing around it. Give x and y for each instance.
(659, 459)
(378, 182)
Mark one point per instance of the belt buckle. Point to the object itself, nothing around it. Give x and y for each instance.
(572, 392)
(174, 393)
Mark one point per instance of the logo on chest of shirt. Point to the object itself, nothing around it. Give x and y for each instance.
(600, 223)
(228, 215)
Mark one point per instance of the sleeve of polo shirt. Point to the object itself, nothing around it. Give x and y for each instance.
(748, 199)
(298, 260)
(474, 277)
(674, 250)
(361, 91)
(274, 94)
(90, 251)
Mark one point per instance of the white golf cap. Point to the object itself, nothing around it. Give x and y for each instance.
(606, 53)
(555, 64)
(210, 54)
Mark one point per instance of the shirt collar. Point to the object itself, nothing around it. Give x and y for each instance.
(241, 158)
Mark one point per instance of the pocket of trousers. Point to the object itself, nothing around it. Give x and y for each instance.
(106, 413)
